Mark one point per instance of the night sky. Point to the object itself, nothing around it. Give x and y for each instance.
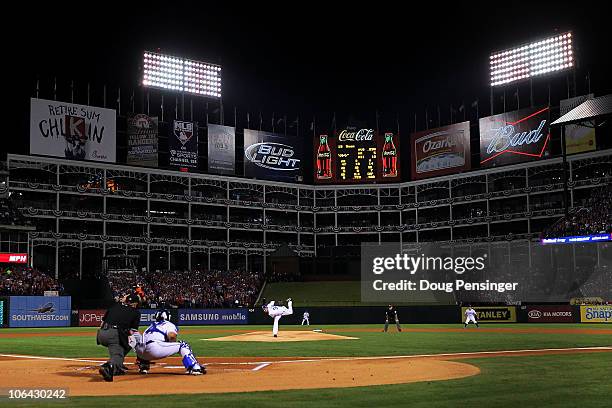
(309, 57)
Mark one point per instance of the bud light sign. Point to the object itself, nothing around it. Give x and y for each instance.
(514, 137)
(271, 156)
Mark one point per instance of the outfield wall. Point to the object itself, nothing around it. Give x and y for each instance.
(55, 311)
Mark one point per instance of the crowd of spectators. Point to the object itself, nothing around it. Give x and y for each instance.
(9, 214)
(196, 288)
(594, 218)
(26, 281)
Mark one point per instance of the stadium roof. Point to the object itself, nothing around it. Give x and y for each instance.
(588, 110)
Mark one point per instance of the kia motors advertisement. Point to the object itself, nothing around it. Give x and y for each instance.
(550, 314)
(271, 156)
(440, 151)
(514, 137)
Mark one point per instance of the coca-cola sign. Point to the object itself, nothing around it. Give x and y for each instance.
(514, 137)
(440, 151)
(354, 135)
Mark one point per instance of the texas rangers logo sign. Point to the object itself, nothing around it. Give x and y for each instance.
(183, 131)
(514, 137)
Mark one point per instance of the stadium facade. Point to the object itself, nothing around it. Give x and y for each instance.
(85, 211)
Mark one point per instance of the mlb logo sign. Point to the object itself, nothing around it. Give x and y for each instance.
(183, 131)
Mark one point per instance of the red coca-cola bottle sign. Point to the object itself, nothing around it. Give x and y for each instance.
(323, 159)
(389, 157)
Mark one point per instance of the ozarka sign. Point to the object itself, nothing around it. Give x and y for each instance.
(514, 137)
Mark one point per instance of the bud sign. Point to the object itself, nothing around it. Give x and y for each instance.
(514, 137)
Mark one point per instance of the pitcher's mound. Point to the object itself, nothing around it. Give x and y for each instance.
(283, 336)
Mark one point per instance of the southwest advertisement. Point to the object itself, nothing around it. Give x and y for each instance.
(440, 151)
(183, 145)
(514, 137)
(221, 150)
(271, 156)
(142, 134)
(71, 131)
(39, 311)
(578, 138)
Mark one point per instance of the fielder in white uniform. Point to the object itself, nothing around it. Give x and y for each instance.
(276, 312)
(470, 316)
(159, 341)
(306, 318)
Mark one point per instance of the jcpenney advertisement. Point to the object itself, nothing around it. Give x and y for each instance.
(39, 311)
(440, 151)
(270, 156)
(578, 138)
(142, 140)
(91, 317)
(72, 131)
(183, 145)
(514, 137)
(221, 149)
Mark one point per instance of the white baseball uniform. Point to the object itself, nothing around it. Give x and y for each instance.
(154, 344)
(470, 315)
(277, 312)
(306, 318)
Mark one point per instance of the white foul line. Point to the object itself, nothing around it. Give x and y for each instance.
(259, 367)
(320, 359)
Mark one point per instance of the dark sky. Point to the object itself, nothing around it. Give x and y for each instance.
(309, 57)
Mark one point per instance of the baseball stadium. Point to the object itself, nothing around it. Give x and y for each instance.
(181, 226)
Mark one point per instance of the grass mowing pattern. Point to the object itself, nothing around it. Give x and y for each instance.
(509, 381)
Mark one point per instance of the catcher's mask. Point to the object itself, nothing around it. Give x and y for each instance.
(162, 315)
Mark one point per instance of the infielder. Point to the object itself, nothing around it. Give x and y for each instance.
(306, 318)
(159, 341)
(470, 316)
(276, 312)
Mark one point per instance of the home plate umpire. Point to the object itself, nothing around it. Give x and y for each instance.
(119, 321)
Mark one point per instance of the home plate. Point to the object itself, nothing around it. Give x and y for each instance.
(283, 336)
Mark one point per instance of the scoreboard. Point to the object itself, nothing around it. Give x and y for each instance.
(356, 156)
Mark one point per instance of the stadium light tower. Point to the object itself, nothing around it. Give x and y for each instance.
(552, 54)
(182, 75)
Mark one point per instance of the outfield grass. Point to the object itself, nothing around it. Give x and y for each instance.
(333, 293)
(369, 343)
(568, 380)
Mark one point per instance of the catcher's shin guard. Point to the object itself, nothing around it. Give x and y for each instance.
(189, 360)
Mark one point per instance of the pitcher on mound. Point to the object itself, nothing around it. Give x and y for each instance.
(276, 312)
